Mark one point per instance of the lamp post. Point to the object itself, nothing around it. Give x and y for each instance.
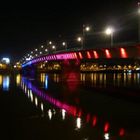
(54, 48)
(80, 39)
(109, 31)
(65, 45)
(85, 29)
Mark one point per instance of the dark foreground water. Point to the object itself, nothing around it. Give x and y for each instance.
(72, 106)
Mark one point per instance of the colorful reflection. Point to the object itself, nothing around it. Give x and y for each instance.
(1, 80)
(18, 79)
(46, 82)
(104, 80)
(76, 112)
(42, 78)
(6, 83)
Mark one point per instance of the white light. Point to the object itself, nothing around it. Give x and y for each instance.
(87, 29)
(109, 31)
(63, 114)
(36, 101)
(137, 68)
(28, 59)
(42, 107)
(106, 136)
(6, 60)
(46, 50)
(31, 52)
(50, 114)
(53, 47)
(35, 49)
(64, 43)
(78, 122)
(42, 46)
(50, 42)
(40, 52)
(79, 39)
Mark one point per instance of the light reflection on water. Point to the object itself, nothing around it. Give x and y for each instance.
(108, 79)
(5, 82)
(76, 112)
(101, 80)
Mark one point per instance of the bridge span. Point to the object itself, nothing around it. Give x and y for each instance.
(109, 58)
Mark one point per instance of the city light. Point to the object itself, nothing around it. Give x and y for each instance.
(50, 42)
(87, 28)
(63, 43)
(79, 39)
(78, 123)
(109, 31)
(53, 47)
(6, 60)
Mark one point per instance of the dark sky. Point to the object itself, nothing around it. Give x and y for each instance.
(25, 26)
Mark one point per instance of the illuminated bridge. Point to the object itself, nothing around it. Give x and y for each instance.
(109, 58)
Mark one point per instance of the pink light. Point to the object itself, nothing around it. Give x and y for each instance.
(95, 54)
(107, 53)
(88, 55)
(123, 53)
(80, 55)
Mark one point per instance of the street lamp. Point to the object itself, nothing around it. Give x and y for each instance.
(64, 44)
(54, 48)
(109, 31)
(80, 39)
(85, 29)
(50, 42)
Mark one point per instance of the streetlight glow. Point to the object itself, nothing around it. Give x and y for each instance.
(53, 47)
(79, 39)
(64, 43)
(42, 46)
(109, 31)
(87, 28)
(50, 42)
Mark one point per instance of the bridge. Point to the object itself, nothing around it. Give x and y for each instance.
(109, 58)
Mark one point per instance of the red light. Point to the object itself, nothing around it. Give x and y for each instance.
(79, 113)
(95, 54)
(106, 127)
(88, 55)
(88, 118)
(80, 55)
(123, 53)
(75, 55)
(107, 53)
(94, 121)
(121, 132)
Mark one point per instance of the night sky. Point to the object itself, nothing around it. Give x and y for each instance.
(24, 26)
